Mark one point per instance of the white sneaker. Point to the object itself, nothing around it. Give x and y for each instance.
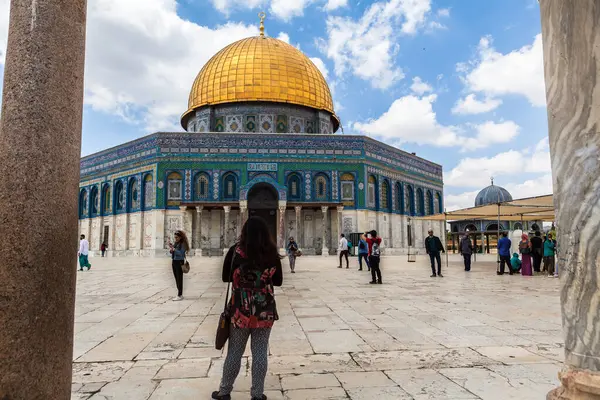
(178, 298)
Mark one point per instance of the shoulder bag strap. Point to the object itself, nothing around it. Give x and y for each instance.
(230, 279)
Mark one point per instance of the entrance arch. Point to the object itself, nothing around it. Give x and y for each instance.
(262, 202)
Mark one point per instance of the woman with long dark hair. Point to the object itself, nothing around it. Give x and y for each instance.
(178, 251)
(253, 265)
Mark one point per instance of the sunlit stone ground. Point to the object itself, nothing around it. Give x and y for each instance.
(466, 336)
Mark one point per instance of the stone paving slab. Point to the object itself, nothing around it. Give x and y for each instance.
(466, 336)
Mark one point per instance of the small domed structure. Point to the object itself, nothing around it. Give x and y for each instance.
(492, 195)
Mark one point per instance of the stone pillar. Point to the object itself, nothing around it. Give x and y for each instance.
(198, 232)
(340, 228)
(281, 225)
(40, 131)
(227, 210)
(243, 216)
(571, 40)
(140, 234)
(299, 221)
(325, 250)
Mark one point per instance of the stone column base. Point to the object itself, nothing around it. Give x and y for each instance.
(577, 384)
(325, 252)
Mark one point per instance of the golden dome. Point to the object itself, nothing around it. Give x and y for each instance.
(260, 69)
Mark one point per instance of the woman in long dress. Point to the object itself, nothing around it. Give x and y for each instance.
(525, 250)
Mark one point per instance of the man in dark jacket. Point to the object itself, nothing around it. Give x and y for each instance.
(537, 251)
(433, 246)
(466, 249)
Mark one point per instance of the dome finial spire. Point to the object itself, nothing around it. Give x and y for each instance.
(262, 17)
(492, 178)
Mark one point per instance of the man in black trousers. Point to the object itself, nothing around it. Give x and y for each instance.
(537, 251)
(433, 245)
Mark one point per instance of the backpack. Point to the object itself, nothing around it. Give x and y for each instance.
(253, 298)
(375, 251)
(349, 245)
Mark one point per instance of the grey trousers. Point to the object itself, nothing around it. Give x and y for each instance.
(259, 344)
(292, 259)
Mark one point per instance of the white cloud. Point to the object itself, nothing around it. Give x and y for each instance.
(411, 119)
(443, 12)
(321, 66)
(287, 9)
(142, 68)
(490, 133)
(226, 6)
(470, 105)
(335, 4)
(367, 47)
(284, 37)
(520, 72)
(476, 172)
(419, 87)
(458, 201)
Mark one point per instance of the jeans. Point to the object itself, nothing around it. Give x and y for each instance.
(360, 258)
(292, 258)
(549, 264)
(467, 258)
(342, 254)
(375, 270)
(260, 352)
(178, 273)
(433, 256)
(505, 260)
(103, 251)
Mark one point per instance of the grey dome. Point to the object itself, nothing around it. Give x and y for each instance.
(492, 195)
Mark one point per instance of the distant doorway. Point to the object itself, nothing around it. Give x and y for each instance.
(263, 202)
(105, 235)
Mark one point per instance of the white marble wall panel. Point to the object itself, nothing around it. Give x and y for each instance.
(120, 232)
(216, 229)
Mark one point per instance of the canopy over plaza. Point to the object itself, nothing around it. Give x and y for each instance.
(531, 209)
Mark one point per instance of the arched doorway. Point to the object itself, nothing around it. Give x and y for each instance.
(263, 202)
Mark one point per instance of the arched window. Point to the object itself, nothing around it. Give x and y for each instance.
(148, 191)
(372, 192)
(229, 186)
(95, 201)
(321, 188)
(106, 200)
(202, 186)
(420, 202)
(119, 196)
(174, 186)
(347, 187)
(133, 202)
(385, 195)
(400, 197)
(535, 227)
(518, 226)
(410, 200)
(438, 204)
(428, 203)
(83, 203)
(294, 187)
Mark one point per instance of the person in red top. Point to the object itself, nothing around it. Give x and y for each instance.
(253, 265)
(374, 243)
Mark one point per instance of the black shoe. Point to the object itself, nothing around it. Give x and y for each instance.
(340, 266)
(373, 282)
(264, 397)
(510, 273)
(369, 269)
(440, 275)
(499, 273)
(433, 276)
(379, 283)
(217, 396)
(293, 272)
(347, 267)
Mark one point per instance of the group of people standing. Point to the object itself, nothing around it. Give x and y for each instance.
(369, 250)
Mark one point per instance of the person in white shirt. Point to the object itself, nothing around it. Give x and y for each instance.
(84, 250)
(343, 248)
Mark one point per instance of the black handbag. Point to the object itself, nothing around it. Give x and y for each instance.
(224, 326)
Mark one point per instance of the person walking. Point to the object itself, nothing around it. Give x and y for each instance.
(178, 251)
(525, 250)
(466, 249)
(84, 250)
(549, 253)
(343, 248)
(504, 245)
(363, 253)
(374, 243)
(292, 249)
(433, 246)
(253, 265)
(537, 251)
(103, 248)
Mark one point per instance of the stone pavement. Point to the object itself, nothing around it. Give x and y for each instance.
(465, 336)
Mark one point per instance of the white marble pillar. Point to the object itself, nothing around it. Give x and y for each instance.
(340, 221)
(198, 231)
(281, 225)
(112, 235)
(139, 238)
(325, 249)
(571, 40)
(242, 217)
(227, 210)
(298, 237)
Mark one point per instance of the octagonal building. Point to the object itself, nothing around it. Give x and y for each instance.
(260, 140)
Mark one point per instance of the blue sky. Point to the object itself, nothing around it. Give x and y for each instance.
(459, 82)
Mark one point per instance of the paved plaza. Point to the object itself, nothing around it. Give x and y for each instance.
(465, 336)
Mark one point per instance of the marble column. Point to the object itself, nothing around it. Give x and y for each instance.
(198, 231)
(298, 237)
(40, 134)
(571, 40)
(140, 234)
(281, 226)
(325, 250)
(340, 228)
(227, 210)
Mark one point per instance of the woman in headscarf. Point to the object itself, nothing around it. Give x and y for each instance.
(525, 250)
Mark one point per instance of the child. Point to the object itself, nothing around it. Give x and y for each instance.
(515, 263)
